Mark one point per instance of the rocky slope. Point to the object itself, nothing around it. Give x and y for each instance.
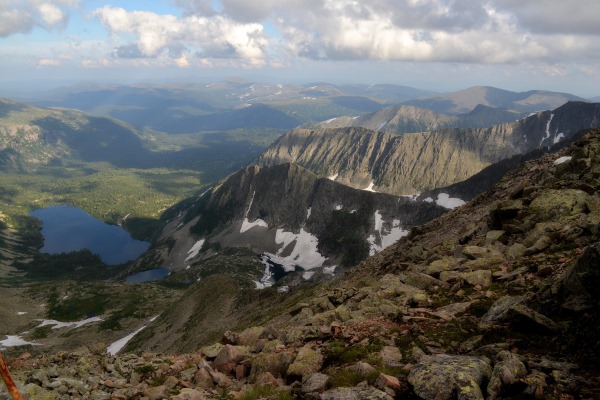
(408, 164)
(410, 119)
(497, 299)
(294, 219)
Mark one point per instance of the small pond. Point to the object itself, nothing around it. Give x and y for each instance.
(66, 229)
(155, 274)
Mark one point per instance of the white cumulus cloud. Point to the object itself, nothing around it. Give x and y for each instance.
(156, 35)
(21, 16)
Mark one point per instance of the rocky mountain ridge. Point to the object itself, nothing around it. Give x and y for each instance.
(411, 163)
(497, 299)
(410, 119)
(463, 101)
(287, 213)
(32, 136)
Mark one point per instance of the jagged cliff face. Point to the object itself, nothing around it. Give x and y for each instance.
(410, 163)
(293, 217)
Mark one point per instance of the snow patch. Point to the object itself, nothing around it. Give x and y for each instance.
(386, 237)
(446, 201)
(15, 341)
(267, 279)
(370, 187)
(562, 160)
(412, 197)
(57, 324)
(428, 200)
(21, 312)
(115, 347)
(307, 275)
(338, 207)
(329, 270)
(246, 224)
(329, 120)
(304, 253)
(333, 177)
(559, 137)
(547, 130)
(283, 289)
(308, 213)
(193, 252)
(378, 221)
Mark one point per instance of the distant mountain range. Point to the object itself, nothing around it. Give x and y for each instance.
(464, 101)
(236, 104)
(32, 136)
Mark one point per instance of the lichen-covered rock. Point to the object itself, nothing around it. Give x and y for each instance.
(355, 393)
(480, 277)
(316, 382)
(554, 205)
(507, 372)
(438, 266)
(189, 394)
(500, 307)
(391, 356)
(275, 363)
(308, 361)
(476, 252)
(515, 251)
(442, 377)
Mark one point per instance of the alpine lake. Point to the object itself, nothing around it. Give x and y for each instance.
(67, 229)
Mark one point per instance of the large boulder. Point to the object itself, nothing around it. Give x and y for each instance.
(355, 393)
(446, 377)
(308, 361)
(507, 372)
(584, 278)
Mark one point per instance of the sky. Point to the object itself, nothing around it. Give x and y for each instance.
(439, 45)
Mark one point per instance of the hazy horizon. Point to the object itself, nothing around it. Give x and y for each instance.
(436, 45)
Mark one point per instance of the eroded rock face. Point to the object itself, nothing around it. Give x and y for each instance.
(444, 377)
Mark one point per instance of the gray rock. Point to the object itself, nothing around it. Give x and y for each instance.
(316, 382)
(515, 251)
(391, 356)
(189, 394)
(506, 373)
(275, 363)
(355, 393)
(495, 236)
(481, 277)
(441, 377)
(476, 252)
(308, 361)
(500, 307)
(363, 369)
(584, 278)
